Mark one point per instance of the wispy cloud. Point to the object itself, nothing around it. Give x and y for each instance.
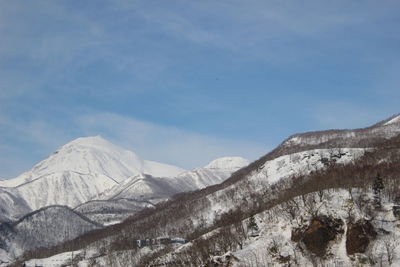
(150, 141)
(165, 143)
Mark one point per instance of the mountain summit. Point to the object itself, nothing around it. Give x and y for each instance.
(80, 170)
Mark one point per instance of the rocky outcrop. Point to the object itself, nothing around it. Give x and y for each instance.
(358, 237)
(317, 235)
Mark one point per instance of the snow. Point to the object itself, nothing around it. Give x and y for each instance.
(63, 188)
(11, 205)
(394, 120)
(80, 170)
(146, 187)
(230, 164)
(46, 227)
(346, 138)
(272, 171)
(276, 228)
(62, 259)
(91, 155)
(304, 162)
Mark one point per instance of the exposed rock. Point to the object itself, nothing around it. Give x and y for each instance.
(225, 260)
(396, 211)
(359, 236)
(318, 234)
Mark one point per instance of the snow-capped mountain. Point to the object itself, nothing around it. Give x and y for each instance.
(80, 170)
(213, 173)
(140, 191)
(94, 155)
(146, 187)
(315, 187)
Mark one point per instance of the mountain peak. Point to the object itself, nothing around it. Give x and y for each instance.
(231, 163)
(95, 142)
(80, 170)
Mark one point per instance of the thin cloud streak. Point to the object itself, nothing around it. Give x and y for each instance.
(150, 141)
(167, 144)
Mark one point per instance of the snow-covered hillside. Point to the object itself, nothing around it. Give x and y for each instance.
(273, 171)
(145, 187)
(204, 212)
(80, 170)
(111, 211)
(52, 225)
(346, 138)
(12, 206)
(132, 194)
(330, 228)
(215, 172)
(314, 188)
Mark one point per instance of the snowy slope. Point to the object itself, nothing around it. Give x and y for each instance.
(109, 212)
(63, 188)
(273, 171)
(346, 138)
(277, 231)
(206, 211)
(205, 208)
(46, 227)
(147, 187)
(94, 155)
(215, 172)
(141, 187)
(11, 205)
(80, 170)
(394, 120)
(141, 191)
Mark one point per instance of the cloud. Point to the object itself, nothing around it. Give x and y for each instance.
(167, 144)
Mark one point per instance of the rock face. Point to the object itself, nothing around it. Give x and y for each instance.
(359, 236)
(318, 234)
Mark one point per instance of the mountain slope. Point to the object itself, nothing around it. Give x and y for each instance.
(145, 187)
(52, 225)
(214, 218)
(63, 188)
(11, 205)
(94, 155)
(111, 211)
(343, 138)
(140, 191)
(203, 216)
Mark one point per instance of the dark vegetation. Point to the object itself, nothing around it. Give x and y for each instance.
(175, 217)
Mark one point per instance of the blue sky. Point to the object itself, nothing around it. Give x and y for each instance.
(184, 82)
